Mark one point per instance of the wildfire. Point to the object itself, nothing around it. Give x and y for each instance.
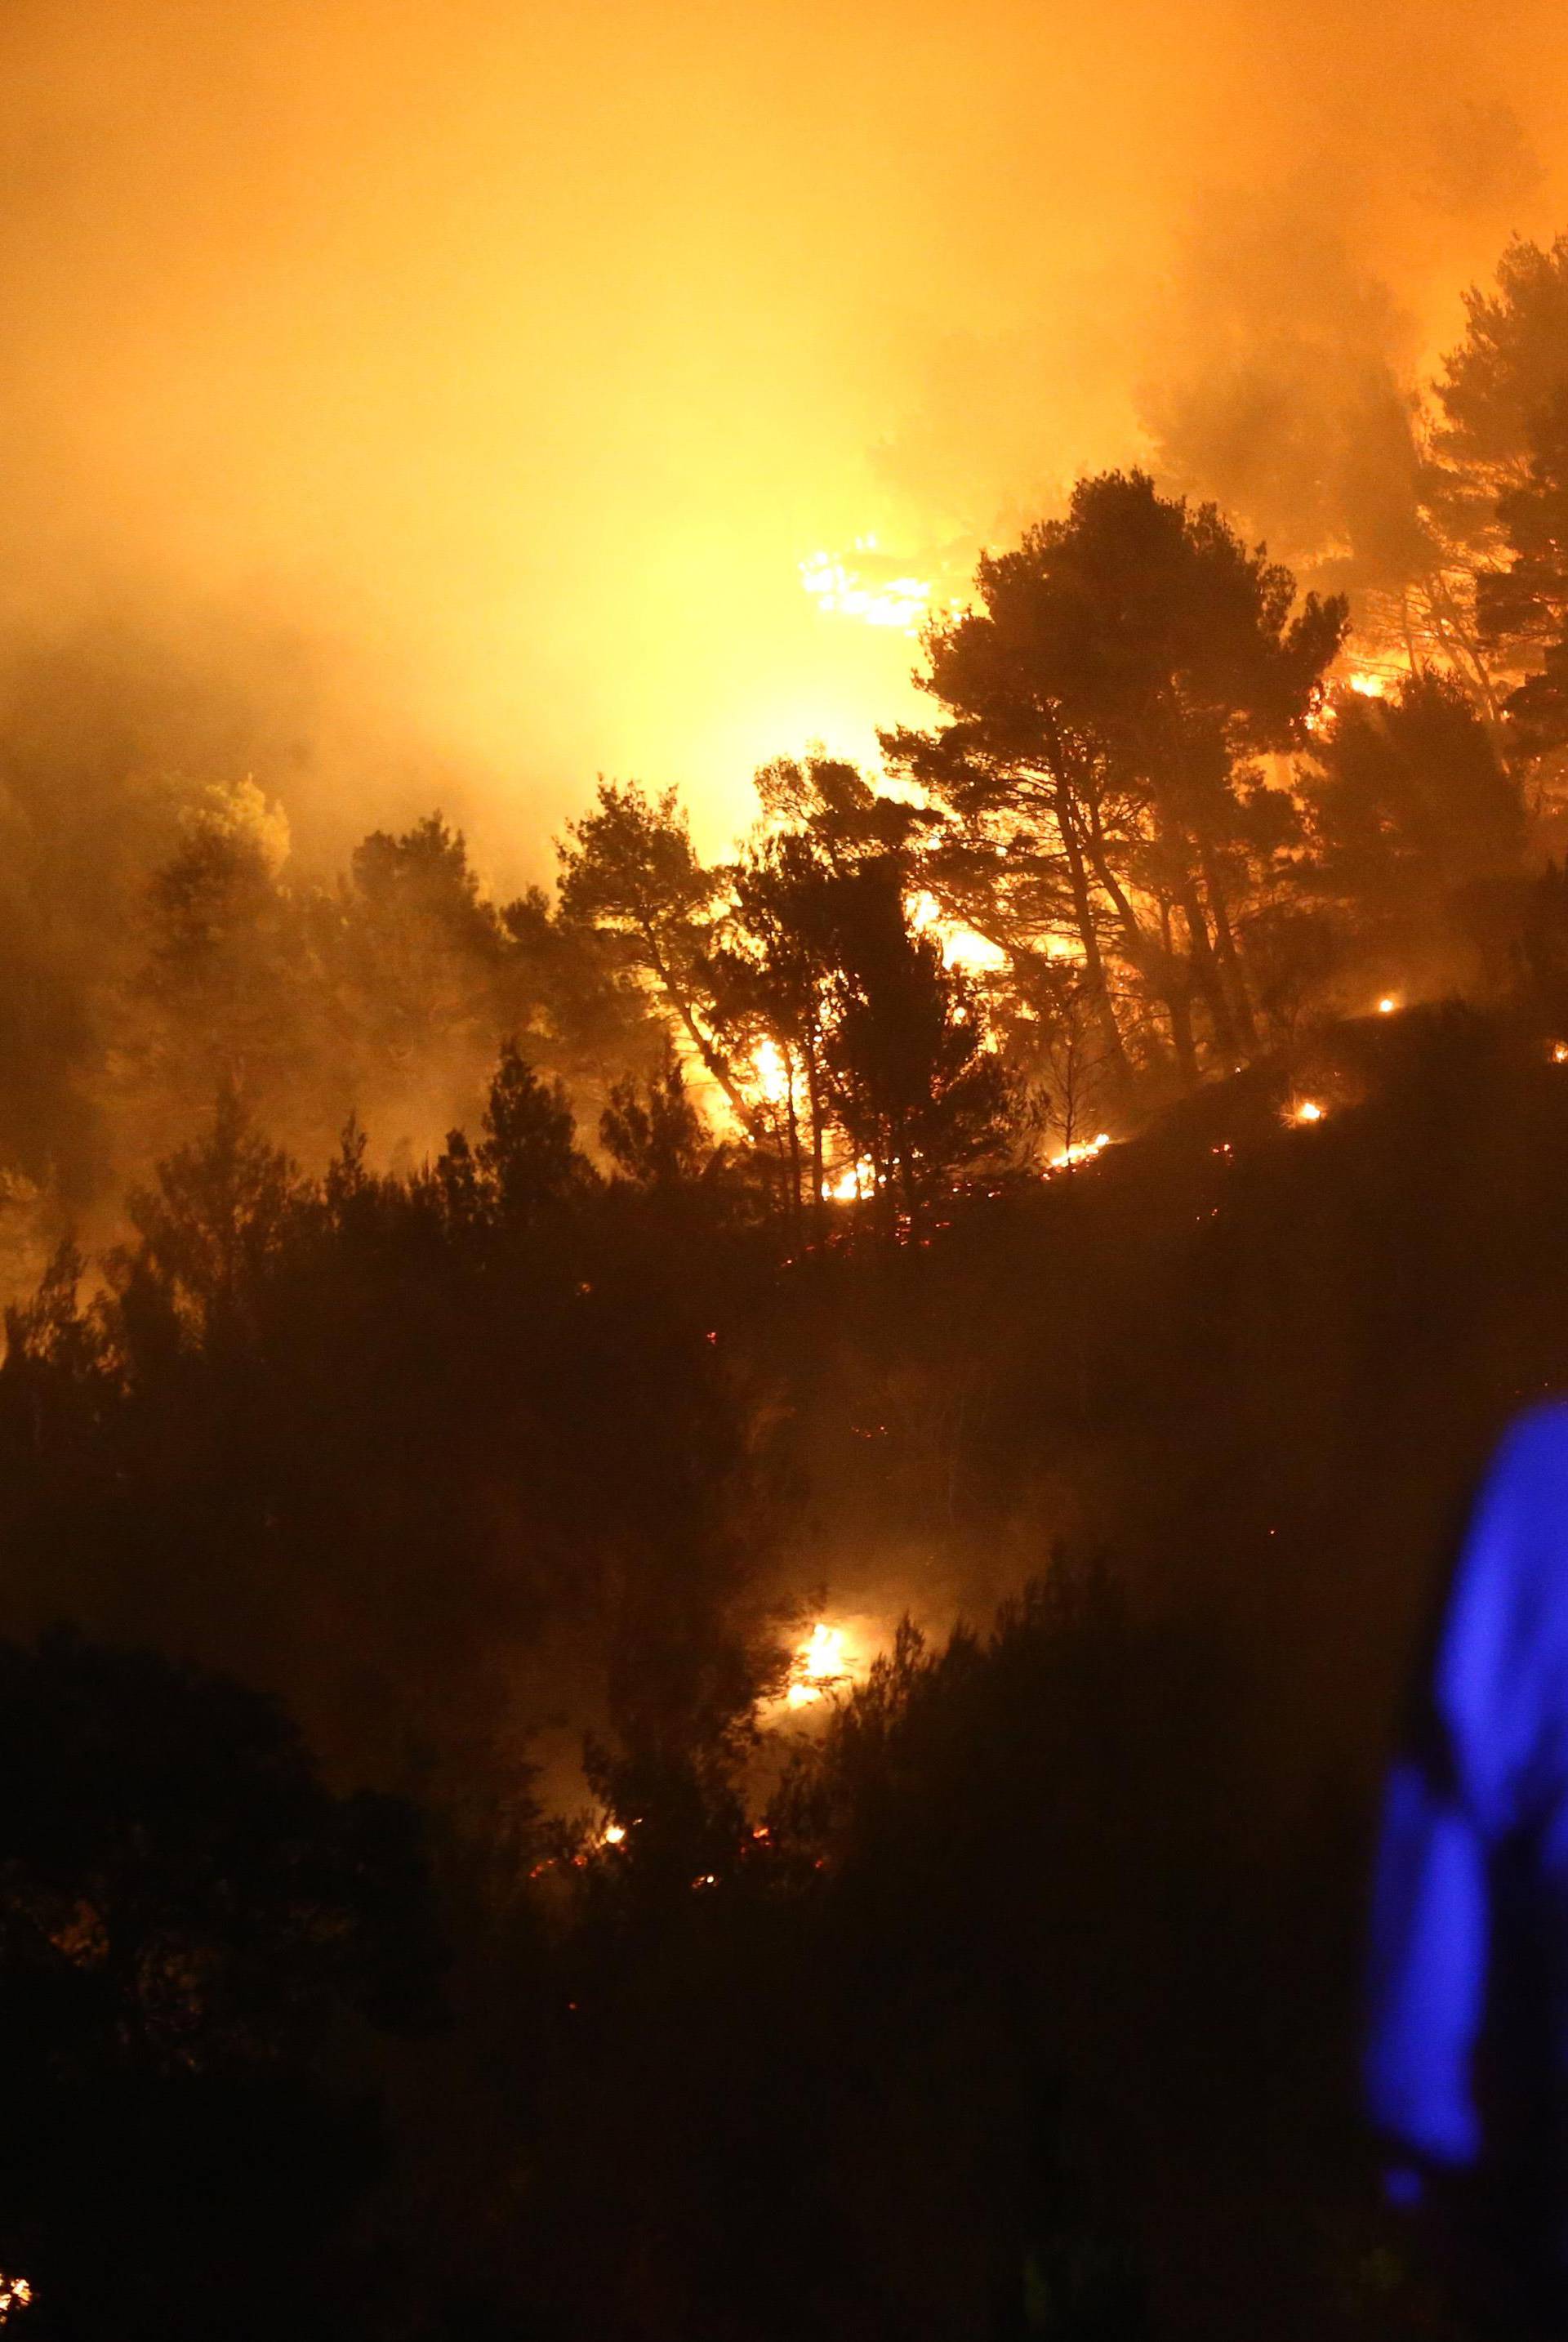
(819, 1663)
(771, 1073)
(962, 946)
(1083, 1150)
(846, 592)
(1387, 1005)
(1304, 1112)
(1366, 681)
(851, 1186)
(1560, 1052)
(866, 584)
(976, 955)
(15, 2293)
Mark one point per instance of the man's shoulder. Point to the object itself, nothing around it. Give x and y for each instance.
(1517, 1547)
(1535, 1441)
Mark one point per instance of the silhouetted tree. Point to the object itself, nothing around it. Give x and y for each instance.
(1510, 368)
(575, 1004)
(1411, 804)
(527, 1154)
(777, 967)
(918, 1094)
(630, 867)
(1124, 666)
(654, 1134)
(1523, 605)
(215, 1218)
(228, 973)
(1494, 442)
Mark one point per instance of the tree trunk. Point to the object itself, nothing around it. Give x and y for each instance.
(795, 1160)
(1177, 1008)
(1450, 625)
(1088, 935)
(1206, 967)
(1225, 944)
(814, 1100)
(1135, 942)
(700, 1041)
(1137, 946)
(1167, 755)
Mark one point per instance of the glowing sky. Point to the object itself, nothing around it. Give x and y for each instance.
(518, 355)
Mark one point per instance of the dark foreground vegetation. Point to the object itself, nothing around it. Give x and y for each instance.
(1016, 1993)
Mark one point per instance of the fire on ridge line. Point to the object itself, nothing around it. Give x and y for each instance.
(866, 584)
(840, 586)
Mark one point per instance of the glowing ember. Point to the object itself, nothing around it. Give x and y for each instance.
(15, 2293)
(1304, 1111)
(1083, 1150)
(821, 1661)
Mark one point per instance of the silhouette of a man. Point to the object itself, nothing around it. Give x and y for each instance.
(1467, 2056)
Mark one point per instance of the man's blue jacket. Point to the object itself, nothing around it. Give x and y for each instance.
(1472, 1882)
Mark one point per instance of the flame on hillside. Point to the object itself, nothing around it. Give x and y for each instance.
(1302, 1113)
(851, 1186)
(821, 1664)
(1083, 1150)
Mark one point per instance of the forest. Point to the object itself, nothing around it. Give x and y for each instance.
(707, 1574)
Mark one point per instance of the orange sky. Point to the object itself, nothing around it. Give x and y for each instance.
(516, 355)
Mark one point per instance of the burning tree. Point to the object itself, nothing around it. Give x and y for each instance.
(875, 1035)
(630, 869)
(916, 1089)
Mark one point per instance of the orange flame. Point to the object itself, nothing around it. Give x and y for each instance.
(820, 1662)
(844, 592)
(851, 1186)
(1083, 1150)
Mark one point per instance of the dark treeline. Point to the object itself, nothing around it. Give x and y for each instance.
(767, 1247)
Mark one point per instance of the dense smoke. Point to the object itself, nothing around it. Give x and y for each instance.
(512, 361)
